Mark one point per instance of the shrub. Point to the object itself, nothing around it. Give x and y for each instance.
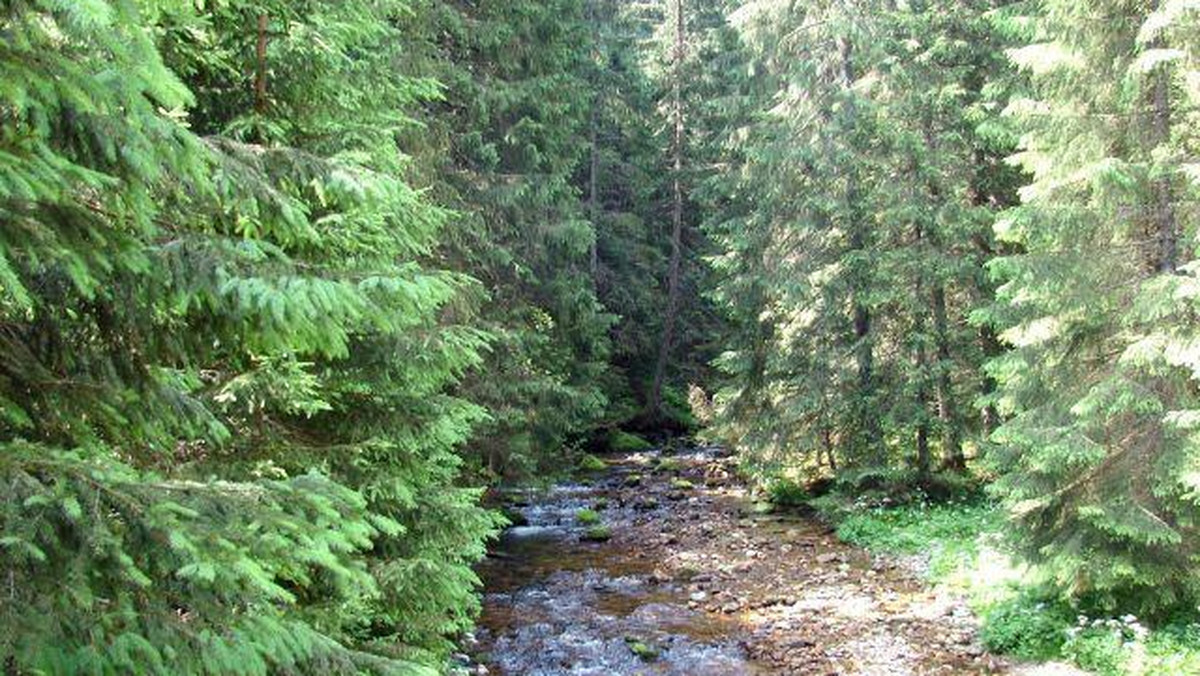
(787, 493)
(1026, 627)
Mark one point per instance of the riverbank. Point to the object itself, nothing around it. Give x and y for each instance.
(958, 547)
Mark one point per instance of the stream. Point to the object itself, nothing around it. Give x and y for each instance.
(692, 578)
(557, 604)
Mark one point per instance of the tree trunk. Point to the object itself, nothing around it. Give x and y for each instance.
(260, 75)
(947, 411)
(992, 348)
(676, 262)
(827, 438)
(594, 165)
(1164, 197)
(922, 370)
(594, 204)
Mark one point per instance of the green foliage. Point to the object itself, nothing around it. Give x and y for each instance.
(1096, 302)
(227, 439)
(502, 147)
(1020, 617)
(863, 179)
(949, 533)
(1026, 627)
(787, 493)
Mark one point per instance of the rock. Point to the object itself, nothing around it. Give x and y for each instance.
(587, 517)
(826, 559)
(597, 534)
(644, 651)
(762, 507)
(590, 463)
(698, 597)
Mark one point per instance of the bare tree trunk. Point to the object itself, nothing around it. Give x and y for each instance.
(260, 75)
(1164, 194)
(947, 411)
(922, 370)
(827, 438)
(676, 262)
(594, 200)
(594, 165)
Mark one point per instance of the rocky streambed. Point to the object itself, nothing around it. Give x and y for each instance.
(681, 574)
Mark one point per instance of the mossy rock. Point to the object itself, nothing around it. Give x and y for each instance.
(590, 463)
(587, 517)
(600, 504)
(646, 504)
(668, 465)
(762, 507)
(682, 484)
(625, 442)
(644, 651)
(597, 533)
(633, 480)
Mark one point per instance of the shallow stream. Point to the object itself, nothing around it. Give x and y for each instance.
(555, 604)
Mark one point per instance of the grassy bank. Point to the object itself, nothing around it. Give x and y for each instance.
(960, 548)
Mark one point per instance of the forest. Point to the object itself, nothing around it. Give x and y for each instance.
(297, 295)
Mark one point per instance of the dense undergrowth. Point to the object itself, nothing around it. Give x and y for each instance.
(959, 544)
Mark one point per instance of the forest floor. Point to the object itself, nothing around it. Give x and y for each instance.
(691, 578)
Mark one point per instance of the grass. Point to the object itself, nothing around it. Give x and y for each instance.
(965, 552)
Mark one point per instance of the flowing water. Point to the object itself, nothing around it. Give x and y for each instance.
(555, 604)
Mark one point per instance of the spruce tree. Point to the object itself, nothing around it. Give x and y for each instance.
(1098, 454)
(226, 437)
